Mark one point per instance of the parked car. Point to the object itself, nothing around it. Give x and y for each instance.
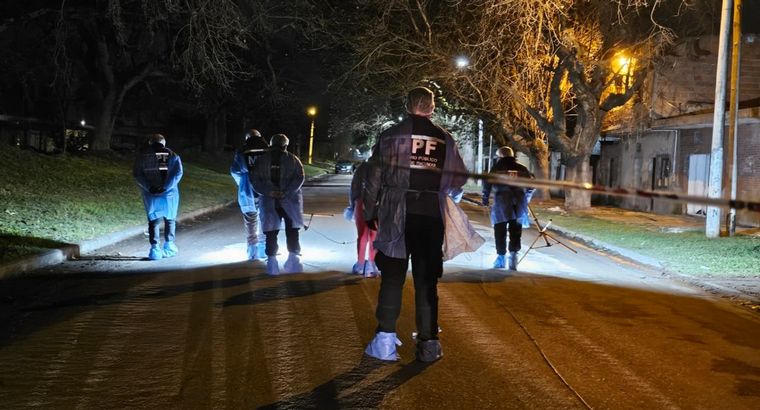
(345, 166)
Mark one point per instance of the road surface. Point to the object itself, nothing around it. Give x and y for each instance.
(210, 330)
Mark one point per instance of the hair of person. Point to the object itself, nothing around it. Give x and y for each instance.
(420, 101)
(279, 141)
(504, 152)
(157, 138)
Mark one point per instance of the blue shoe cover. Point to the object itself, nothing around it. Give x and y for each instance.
(170, 249)
(513, 261)
(155, 253)
(253, 251)
(371, 270)
(261, 254)
(273, 268)
(383, 346)
(358, 268)
(500, 262)
(292, 264)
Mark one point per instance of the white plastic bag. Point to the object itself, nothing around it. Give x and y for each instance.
(459, 235)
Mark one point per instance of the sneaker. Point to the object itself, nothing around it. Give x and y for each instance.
(170, 250)
(273, 268)
(500, 262)
(371, 270)
(428, 350)
(155, 253)
(383, 346)
(513, 261)
(358, 268)
(292, 264)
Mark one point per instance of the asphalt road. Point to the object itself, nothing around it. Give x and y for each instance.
(209, 330)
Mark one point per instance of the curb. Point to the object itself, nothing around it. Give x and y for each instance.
(54, 256)
(597, 244)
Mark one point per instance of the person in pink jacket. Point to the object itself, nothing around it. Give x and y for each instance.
(365, 260)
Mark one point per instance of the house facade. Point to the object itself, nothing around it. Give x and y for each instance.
(662, 140)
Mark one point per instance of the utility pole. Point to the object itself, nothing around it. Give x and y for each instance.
(479, 167)
(715, 183)
(490, 152)
(730, 171)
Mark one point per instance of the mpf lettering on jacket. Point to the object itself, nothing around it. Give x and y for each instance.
(427, 152)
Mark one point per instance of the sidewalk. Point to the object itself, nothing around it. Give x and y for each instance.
(745, 290)
(54, 256)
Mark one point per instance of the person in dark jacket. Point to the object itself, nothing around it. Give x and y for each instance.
(158, 170)
(365, 258)
(278, 177)
(242, 166)
(510, 207)
(415, 165)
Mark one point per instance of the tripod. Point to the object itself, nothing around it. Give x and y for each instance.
(542, 234)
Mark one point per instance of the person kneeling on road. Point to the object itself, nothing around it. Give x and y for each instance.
(158, 171)
(278, 177)
(510, 207)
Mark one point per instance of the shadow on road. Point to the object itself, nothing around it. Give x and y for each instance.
(42, 299)
(354, 389)
(291, 289)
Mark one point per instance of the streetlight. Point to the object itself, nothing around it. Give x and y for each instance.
(312, 112)
(462, 62)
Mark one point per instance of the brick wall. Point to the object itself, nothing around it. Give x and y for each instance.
(684, 81)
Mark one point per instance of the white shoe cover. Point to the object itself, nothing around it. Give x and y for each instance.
(273, 268)
(383, 346)
(292, 264)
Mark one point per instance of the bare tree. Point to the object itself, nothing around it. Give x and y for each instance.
(543, 70)
(121, 44)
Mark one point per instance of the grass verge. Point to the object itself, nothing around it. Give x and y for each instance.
(663, 238)
(47, 201)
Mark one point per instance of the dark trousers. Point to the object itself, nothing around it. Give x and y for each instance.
(170, 227)
(424, 241)
(500, 236)
(291, 236)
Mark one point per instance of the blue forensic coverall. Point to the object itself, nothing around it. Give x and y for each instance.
(248, 200)
(510, 204)
(279, 171)
(158, 171)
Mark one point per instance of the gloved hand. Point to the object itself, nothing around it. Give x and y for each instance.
(372, 224)
(156, 190)
(348, 213)
(485, 201)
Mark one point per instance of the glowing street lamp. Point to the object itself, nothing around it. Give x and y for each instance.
(622, 67)
(312, 112)
(462, 62)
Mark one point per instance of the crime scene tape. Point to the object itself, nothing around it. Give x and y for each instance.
(738, 204)
(496, 178)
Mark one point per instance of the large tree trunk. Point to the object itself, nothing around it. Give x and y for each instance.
(578, 171)
(101, 139)
(540, 160)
